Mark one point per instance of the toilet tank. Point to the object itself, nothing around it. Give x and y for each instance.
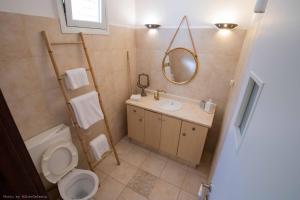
(39, 144)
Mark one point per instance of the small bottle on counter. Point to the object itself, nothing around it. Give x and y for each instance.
(209, 106)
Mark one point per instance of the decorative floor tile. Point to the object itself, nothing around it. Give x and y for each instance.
(142, 183)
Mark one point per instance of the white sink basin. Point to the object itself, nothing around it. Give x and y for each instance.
(169, 104)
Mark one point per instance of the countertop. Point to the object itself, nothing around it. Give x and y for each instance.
(190, 111)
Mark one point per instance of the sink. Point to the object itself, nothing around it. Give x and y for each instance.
(169, 104)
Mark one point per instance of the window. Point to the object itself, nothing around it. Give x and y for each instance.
(87, 16)
(247, 107)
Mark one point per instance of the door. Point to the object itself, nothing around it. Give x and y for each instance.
(152, 129)
(18, 175)
(136, 125)
(191, 142)
(266, 164)
(170, 132)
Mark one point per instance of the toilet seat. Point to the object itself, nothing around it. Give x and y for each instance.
(58, 160)
(58, 166)
(78, 184)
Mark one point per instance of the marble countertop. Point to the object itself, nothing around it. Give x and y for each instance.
(190, 111)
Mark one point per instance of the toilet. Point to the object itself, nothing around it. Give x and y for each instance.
(56, 157)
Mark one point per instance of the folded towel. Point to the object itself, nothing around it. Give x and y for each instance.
(76, 78)
(136, 97)
(99, 146)
(87, 109)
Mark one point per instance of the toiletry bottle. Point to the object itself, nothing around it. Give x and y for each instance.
(209, 106)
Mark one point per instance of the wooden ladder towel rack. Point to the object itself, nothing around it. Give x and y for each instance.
(60, 79)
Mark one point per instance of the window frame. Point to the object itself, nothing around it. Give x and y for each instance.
(239, 136)
(74, 29)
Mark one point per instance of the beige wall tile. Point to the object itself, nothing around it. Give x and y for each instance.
(27, 76)
(18, 79)
(33, 28)
(13, 43)
(217, 57)
(32, 115)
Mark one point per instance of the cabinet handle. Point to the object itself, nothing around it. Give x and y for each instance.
(134, 111)
(140, 119)
(193, 128)
(183, 134)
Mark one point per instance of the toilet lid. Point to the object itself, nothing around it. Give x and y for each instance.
(58, 160)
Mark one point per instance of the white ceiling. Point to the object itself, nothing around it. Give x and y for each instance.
(200, 12)
(138, 12)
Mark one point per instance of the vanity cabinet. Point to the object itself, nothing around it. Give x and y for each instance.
(169, 135)
(191, 142)
(136, 124)
(152, 129)
(170, 132)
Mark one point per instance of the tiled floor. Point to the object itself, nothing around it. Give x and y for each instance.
(144, 175)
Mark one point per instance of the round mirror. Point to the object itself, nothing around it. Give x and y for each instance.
(180, 65)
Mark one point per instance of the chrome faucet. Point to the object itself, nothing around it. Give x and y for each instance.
(156, 94)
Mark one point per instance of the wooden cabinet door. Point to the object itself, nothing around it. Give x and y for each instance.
(170, 132)
(191, 142)
(136, 125)
(152, 129)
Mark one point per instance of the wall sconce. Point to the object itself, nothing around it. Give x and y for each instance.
(228, 26)
(152, 26)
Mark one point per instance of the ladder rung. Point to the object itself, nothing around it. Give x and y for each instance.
(64, 43)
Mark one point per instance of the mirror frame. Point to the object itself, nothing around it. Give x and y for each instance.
(196, 70)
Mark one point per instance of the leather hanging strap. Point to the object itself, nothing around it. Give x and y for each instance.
(190, 34)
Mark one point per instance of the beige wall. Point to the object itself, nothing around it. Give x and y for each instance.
(28, 80)
(36, 102)
(218, 56)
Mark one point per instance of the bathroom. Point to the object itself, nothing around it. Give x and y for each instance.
(152, 128)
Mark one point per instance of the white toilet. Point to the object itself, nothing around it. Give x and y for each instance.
(56, 157)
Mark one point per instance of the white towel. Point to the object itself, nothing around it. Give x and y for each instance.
(99, 146)
(76, 78)
(87, 109)
(136, 97)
